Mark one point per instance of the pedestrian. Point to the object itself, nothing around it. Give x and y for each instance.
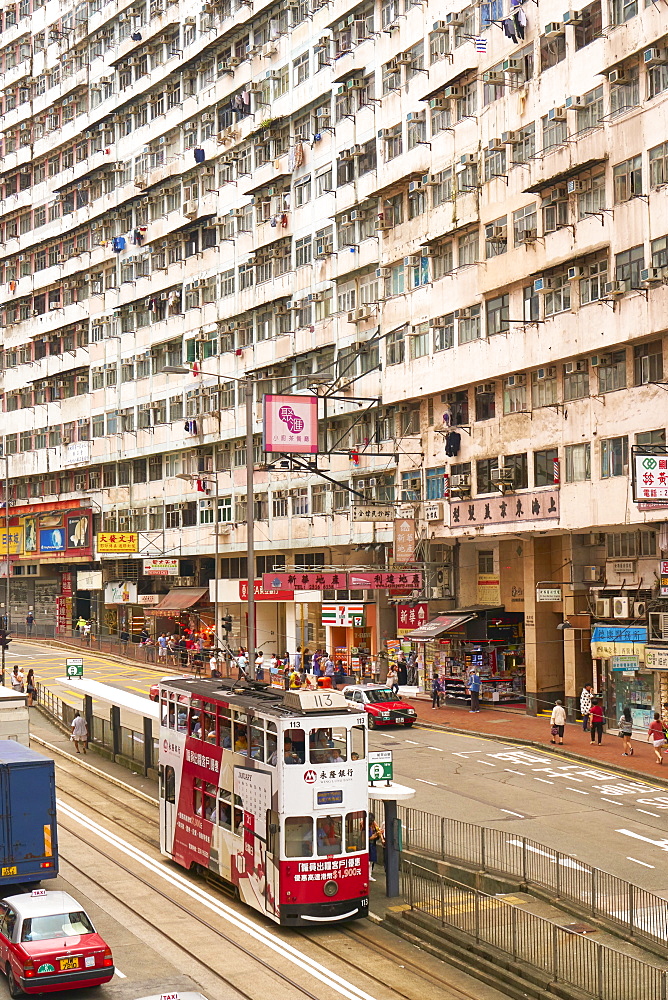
(375, 837)
(296, 659)
(329, 666)
(287, 669)
(657, 734)
(436, 691)
(596, 719)
(214, 665)
(339, 674)
(17, 679)
(473, 688)
(30, 621)
(558, 720)
(162, 646)
(392, 679)
(125, 638)
(585, 706)
(80, 624)
(31, 687)
(242, 665)
(259, 664)
(86, 630)
(143, 636)
(79, 732)
(402, 671)
(625, 730)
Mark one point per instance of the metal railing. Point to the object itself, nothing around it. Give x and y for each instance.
(578, 961)
(633, 910)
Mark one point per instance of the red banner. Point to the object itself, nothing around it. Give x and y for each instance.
(380, 581)
(262, 594)
(305, 581)
(409, 618)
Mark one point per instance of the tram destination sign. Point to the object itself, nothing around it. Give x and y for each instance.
(380, 766)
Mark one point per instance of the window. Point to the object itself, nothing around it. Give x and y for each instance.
(558, 296)
(419, 341)
(659, 251)
(298, 831)
(435, 483)
(590, 26)
(625, 544)
(518, 463)
(658, 165)
(279, 504)
(442, 260)
(652, 437)
(458, 403)
(627, 179)
(552, 51)
(625, 95)
(555, 131)
(441, 188)
(546, 467)
(592, 109)
(485, 561)
(592, 286)
(648, 363)
(623, 10)
(328, 745)
(443, 328)
(411, 487)
(576, 380)
(484, 468)
(485, 401)
(469, 324)
(524, 143)
(544, 387)
(496, 237)
(555, 210)
(395, 347)
(657, 80)
(329, 835)
(525, 224)
(578, 463)
(515, 394)
(303, 251)
(530, 304)
(628, 266)
(614, 457)
(497, 315)
(392, 138)
(300, 68)
(611, 371)
(468, 248)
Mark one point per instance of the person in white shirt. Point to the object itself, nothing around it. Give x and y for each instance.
(557, 722)
(79, 732)
(585, 705)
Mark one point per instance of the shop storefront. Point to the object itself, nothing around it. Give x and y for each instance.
(488, 640)
(182, 611)
(618, 652)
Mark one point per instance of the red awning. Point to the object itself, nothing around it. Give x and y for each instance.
(439, 626)
(175, 601)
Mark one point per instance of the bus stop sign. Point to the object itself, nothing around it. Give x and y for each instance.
(74, 667)
(380, 766)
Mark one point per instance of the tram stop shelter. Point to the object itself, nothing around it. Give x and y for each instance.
(390, 793)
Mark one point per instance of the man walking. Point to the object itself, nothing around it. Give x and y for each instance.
(30, 621)
(474, 690)
(585, 706)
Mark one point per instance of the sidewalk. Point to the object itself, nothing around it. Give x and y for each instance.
(516, 727)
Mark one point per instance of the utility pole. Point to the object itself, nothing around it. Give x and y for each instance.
(7, 591)
(250, 522)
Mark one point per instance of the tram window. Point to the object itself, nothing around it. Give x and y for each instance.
(209, 727)
(356, 831)
(169, 784)
(197, 801)
(299, 837)
(294, 747)
(273, 829)
(195, 723)
(171, 719)
(225, 809)
(328, 745)
(210, 802)
(272, 742)
(328, 835)
(357, 743)
(240, 733)
(224, 732)
(238, 816)
(257, 740)
(182, 718)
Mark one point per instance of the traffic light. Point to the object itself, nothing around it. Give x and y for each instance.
(4, 639)
(226, 622)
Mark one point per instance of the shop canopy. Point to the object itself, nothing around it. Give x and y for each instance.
(439, 626)
(177, 600)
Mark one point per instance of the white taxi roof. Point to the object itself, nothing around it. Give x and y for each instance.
(177, 995)
(47, 905)
(366, 687)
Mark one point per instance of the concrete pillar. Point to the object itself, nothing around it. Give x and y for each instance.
(544, 645)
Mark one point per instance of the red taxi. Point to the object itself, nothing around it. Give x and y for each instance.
(48, 944)
(381, 704)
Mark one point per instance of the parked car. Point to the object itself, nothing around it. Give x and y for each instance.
(381, 704)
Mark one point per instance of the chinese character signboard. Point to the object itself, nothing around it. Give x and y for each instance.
(546, 592)
(656, 657)
(625, 662)
(379, 764)
(372, 512)
(15, 541)
(518, 508)
(404, 540)
(650, 476)
(663, 578)
(489, 589)
(290, 425)
(408, 580)
(305, 581)
(116, 541)
(409, 618)
(161, 567)
(263, 594)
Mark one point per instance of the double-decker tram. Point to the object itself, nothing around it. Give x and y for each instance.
(267, 789)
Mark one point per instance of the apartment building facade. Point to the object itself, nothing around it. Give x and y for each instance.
(450, 224)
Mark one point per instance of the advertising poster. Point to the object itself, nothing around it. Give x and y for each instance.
(290, 425)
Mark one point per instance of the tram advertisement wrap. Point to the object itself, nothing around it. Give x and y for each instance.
(193, 834)
(302, 881)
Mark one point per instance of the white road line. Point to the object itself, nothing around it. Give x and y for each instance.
(440, 749)
(510, 771)
(544, 780)
(613, 802)
(647, 812)
(121, 975)
(487, 763)
(511, 813)
(578, 790)
(237, 919)
(643, 863)
(425, 782)
(414, 742)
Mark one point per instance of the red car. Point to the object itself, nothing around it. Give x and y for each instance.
(381, 704)
(48, 944)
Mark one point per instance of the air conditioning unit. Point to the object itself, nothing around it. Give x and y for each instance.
(576, 187)
(574, 102)
(515, 380)
(655, 57)
(503, 476)
(620, 607)
(438, 103)
(640, 609)
(575, 272)
(512, 65)
(439, 26)
(651, 276)
(615, 289)
(451, 92)
(591, 574)
(413, 261)
(572, 17)
(462, 481)
(618, 76)
(602, 606)
(454, 20)
(493, 77)
(553, 29)
(543, 373)
(190, 208)
(557, 114)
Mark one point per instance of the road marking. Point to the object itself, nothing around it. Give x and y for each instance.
(414, 742)
(613, 802)
(121, 975)
(440, 749)
(425, 782)
(564, 860)
(544, 780)
(510, 771)
(511, 813)
(487, 763)
(643, 863)
(663, 844)
(238, 919)
(647, 812)
(578, 790)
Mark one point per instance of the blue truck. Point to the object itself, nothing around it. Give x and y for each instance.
(28, 832)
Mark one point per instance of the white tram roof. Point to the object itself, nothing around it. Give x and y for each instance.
(262, 697)
(113, 695)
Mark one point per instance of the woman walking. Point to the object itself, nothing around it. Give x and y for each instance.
(558, 722)
(596, 719)
(31, 688)
(625, 730)
(657, 734)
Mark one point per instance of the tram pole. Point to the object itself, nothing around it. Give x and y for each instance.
(250, 524)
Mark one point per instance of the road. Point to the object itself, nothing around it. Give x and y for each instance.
(618, 824)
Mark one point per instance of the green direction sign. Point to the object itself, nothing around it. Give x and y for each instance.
(380, 766)
(74, 667)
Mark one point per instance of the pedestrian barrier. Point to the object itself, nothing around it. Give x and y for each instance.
(633, 910)
(587, 965)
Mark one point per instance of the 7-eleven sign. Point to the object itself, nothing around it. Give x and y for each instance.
(345, 615)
